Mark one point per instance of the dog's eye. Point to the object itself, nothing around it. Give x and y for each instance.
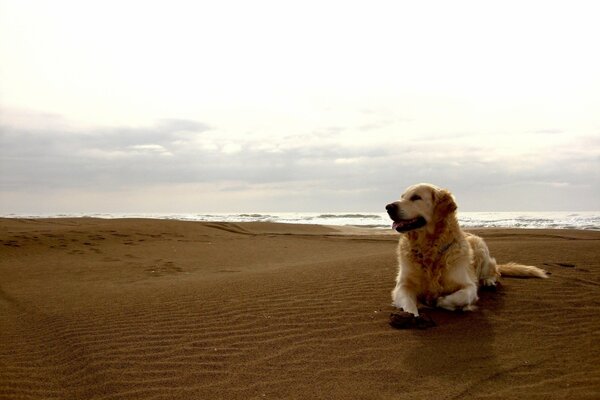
(415, 197)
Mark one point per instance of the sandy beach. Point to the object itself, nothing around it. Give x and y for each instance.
(160, 309)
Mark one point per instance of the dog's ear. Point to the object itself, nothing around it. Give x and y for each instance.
(444, 203)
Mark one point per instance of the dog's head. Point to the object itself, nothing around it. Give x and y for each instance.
(421, 205)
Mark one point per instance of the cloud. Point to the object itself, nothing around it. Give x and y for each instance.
(549, 131)
(151, 149)
(373, 126)
(181, 125)
(231, 148)
(295, 172)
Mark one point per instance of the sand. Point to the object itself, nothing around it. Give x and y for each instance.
(156, 309)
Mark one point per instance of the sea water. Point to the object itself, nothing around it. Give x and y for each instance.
(541, 220)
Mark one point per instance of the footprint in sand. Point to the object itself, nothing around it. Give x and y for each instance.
(162, 268)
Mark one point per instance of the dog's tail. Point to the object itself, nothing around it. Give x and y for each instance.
(519, 270)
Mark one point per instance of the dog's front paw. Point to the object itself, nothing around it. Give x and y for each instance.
(443, 302)
(489, 282)
(406, 306)
(446, 304)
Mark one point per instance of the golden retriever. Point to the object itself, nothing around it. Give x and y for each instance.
(439, 265)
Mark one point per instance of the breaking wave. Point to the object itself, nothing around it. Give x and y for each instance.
(542, 220)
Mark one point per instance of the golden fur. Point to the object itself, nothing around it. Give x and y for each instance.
(439, 264)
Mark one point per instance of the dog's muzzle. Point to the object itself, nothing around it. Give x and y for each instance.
(392, 210)
(401, 224)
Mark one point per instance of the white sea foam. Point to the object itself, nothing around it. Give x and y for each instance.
(541, 220)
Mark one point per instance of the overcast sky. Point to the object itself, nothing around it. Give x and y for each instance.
(257, 106)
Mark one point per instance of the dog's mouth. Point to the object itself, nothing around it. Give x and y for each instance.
(405, 225)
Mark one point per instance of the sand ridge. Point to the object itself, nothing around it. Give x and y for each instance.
(131, 309)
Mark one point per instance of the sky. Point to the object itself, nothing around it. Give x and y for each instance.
(279, 106)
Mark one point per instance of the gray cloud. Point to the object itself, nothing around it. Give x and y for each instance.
(181, 125)
(325, 174)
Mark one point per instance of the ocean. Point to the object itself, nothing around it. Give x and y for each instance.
(537, 220)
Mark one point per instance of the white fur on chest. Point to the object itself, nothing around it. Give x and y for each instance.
(434, 274)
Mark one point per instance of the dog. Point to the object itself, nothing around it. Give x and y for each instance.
(439, 265)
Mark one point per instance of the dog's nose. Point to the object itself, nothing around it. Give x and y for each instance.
(391, 207)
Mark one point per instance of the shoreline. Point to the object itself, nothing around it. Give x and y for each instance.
(140, 308)
(583, 220)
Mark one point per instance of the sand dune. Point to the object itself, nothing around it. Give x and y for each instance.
(155, 309)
